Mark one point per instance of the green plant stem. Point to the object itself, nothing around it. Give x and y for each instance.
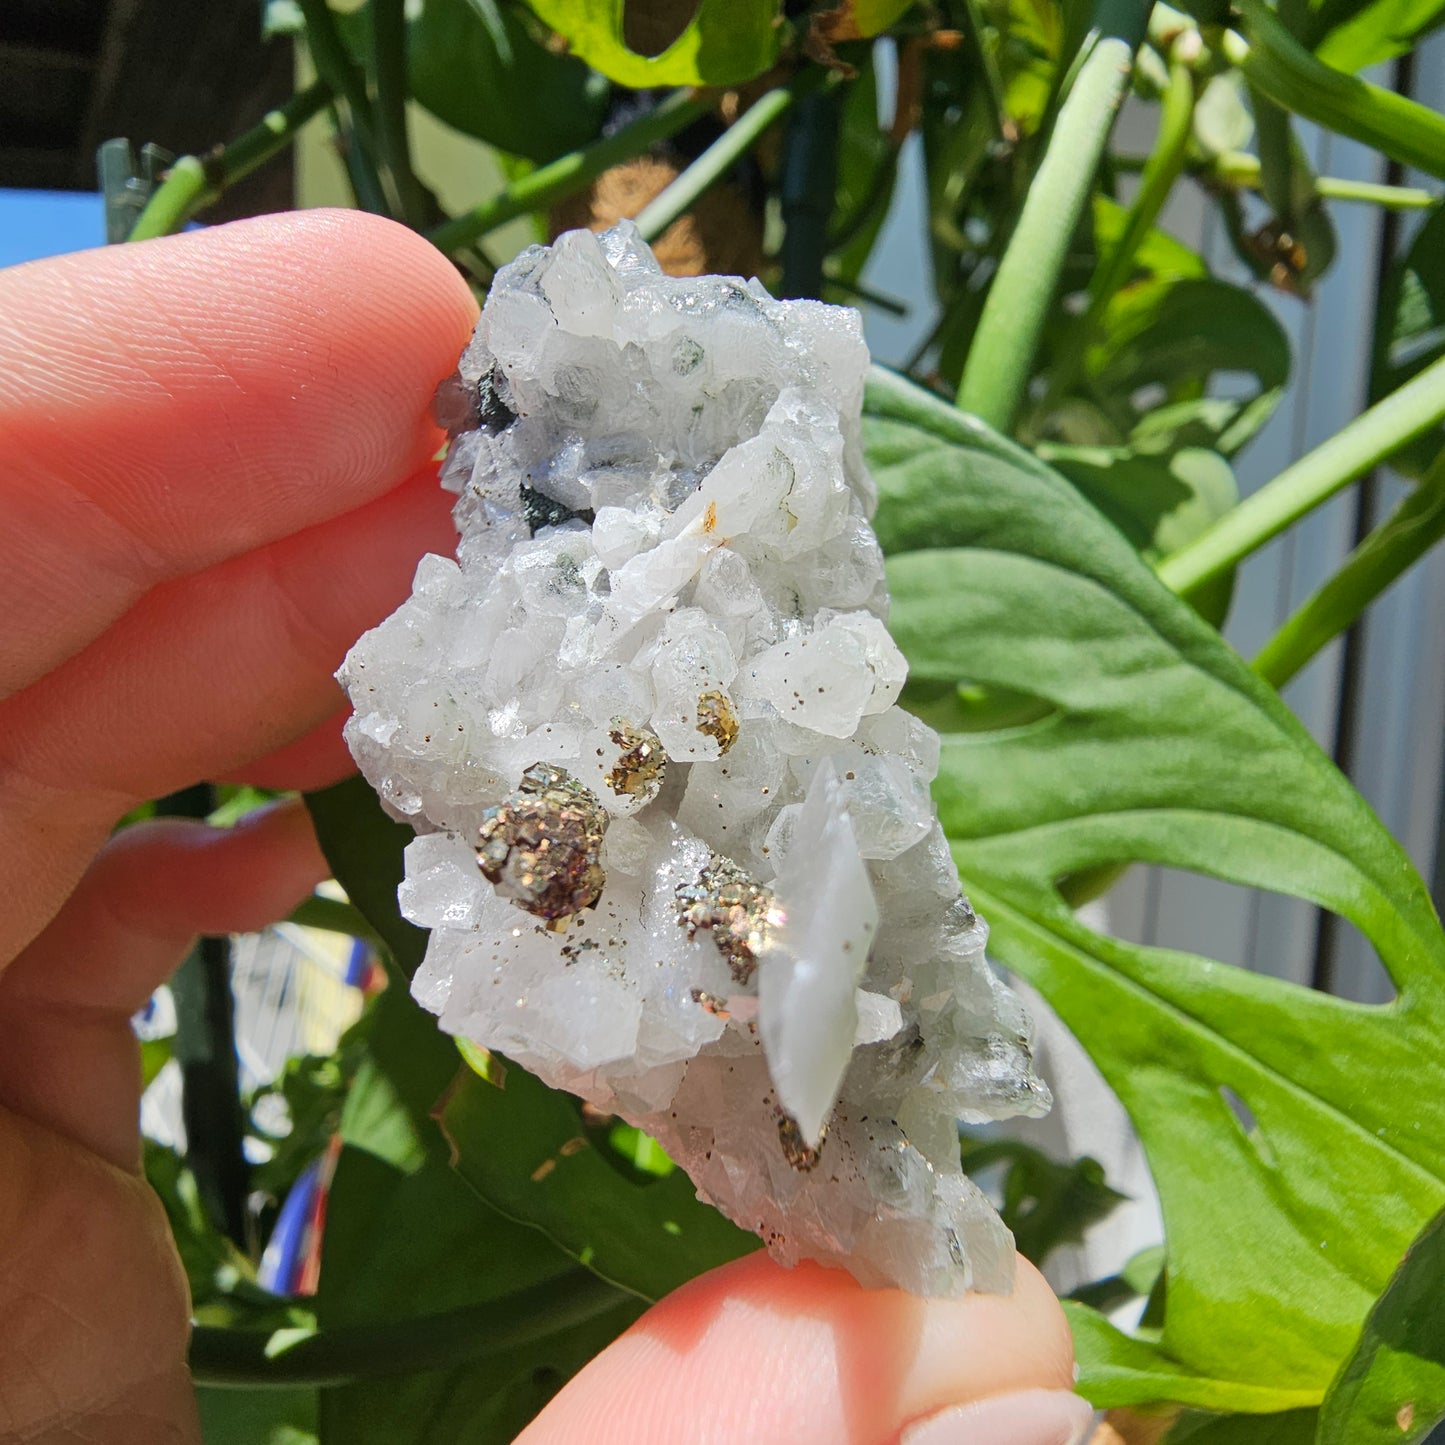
(388, 39)
(571, 172)
(1389, 551)
(1276, 64)
(717, 160)
(333, 64)
(360, 169)
(1161, 170)
(1000, 360)
(1240, 169)
(1366, 442)
(335, 67)
(1176, 121)
(867, 294)
(255, 1358)
(193, 182)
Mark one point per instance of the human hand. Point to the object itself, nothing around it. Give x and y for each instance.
(216, 479)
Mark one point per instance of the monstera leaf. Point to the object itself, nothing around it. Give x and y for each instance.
(1297, 1140)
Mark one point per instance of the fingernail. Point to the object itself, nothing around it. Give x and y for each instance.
(1031, 1417)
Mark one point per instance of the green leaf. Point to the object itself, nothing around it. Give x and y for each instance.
(858, 19)
(1410, 331)
(523, 1148)
(377, 1264)
(476, 65)
(1163, 747)
(1354, 34)
(727, 42)
(1159, 254)
(313, 1088)
(257, 1417)
(485, 1402)
(364, 848)
(1118, 1369)
(1289, 1427)
(409, 1238)
(1178, 335)
(1392, 1388)
(1158, 502)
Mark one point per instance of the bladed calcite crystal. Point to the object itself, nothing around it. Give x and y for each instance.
(675, 846)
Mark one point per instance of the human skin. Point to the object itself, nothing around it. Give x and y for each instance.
(217, 475)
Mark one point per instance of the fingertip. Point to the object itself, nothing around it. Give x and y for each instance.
(826, 1362)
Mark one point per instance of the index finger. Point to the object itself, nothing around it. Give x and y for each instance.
(167, 405)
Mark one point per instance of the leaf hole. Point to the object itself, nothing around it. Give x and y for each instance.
(1248, 1124)
(1241, 1111)
(650, 26)
(1267, 931)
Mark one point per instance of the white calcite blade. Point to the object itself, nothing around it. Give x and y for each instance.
(676, 847)
(815, 956)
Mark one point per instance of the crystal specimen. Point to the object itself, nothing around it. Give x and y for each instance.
(675, 842)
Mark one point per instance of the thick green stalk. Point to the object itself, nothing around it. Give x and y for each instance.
(1371, 569)
(257, 1358)
(717, 160)
(1276, 64)
(1001, 358)
(1161, 170)
(807, 188)
(1362, 445)
(388, 41)
(571, 172)
(205, 1050)
(193, 182)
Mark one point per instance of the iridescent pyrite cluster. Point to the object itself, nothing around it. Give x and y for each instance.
(675, 845)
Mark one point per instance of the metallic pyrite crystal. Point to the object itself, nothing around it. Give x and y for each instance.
(542, 845)
(716, 719)
(654, 698)
(732, 908)
(641, 765)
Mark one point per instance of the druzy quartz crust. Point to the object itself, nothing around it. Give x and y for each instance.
(675, 846)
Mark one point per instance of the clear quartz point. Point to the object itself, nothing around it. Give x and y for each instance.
(675, 843)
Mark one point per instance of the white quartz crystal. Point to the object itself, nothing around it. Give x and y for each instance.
(675, 843)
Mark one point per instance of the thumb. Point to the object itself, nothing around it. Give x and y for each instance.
(755, 1354)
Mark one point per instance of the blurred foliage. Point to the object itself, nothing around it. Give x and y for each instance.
(1044, 1202)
